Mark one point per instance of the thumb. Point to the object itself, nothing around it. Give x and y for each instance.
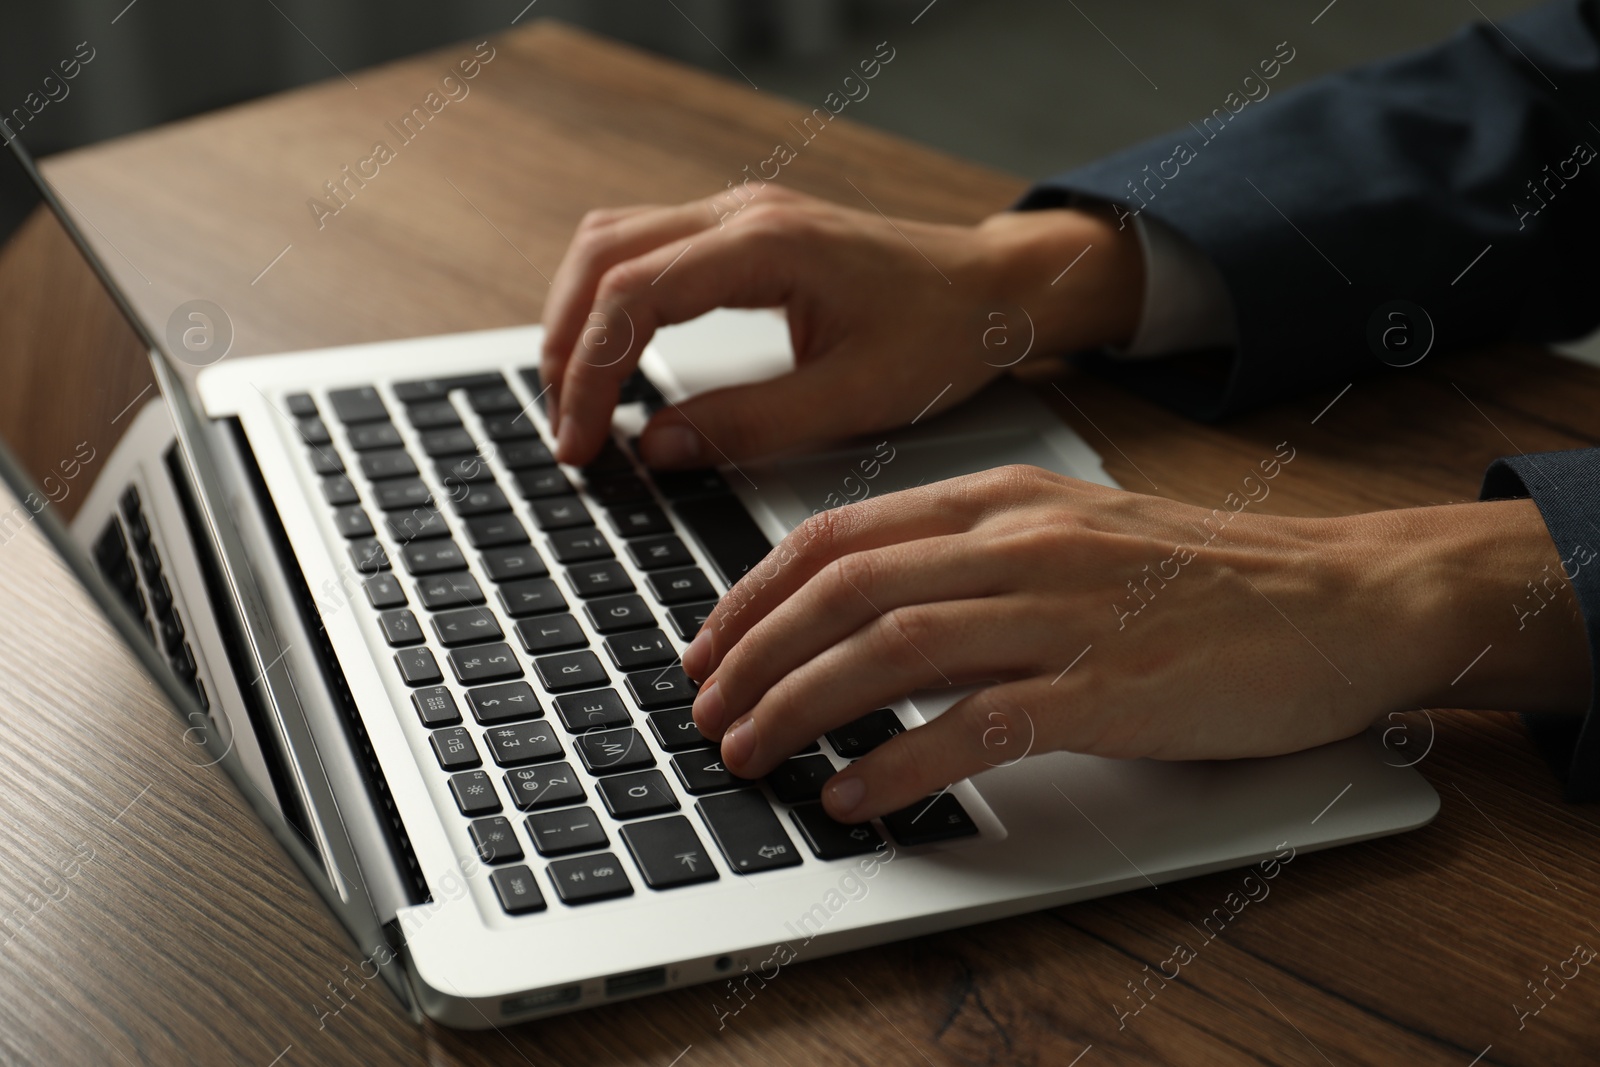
(819, 400)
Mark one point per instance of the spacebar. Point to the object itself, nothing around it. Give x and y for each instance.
(727, 533)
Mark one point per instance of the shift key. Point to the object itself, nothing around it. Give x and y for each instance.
(747, 832)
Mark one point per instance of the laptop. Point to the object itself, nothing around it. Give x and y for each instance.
(443, 668)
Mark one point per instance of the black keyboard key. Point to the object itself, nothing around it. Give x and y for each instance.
(579, 545)
(300, 405)
(450, 441)
(675, 730)
(484, 498)
(338, 490)
(726, 533)
(612, 490)
(523, 455)
(833, 840)
(654, 553)
(417, 666)
(509, 427)
(439, 388)
(931, 819)
(531, 596)
(601, 578)
(455, 589)
(598, 710)
(432, 557)
(748, 833)
(494, 400)
(688, 618)
(171, 631)
(352, 521)
(634, 651)
(511, 562)
(557, 833)
(454, 748)
(418, 524)
(570, 670)
(468, 470)
(638, 520)
(681, 586)
(401, 494)
(374, 435)
(474, 793)
(800, 779)
(524, 742)
(466, 626)
(666, 688)
(633, 796)
(518, 890)
(393, 463)
(495, 839)
(484, 663)
(855, 739)
(552, 785)
(610, 459)
(586, 879)
(436, 706)
(367, 555)
(680, 485)
(506, 702)
(614, 614)
(702, 772)
(495, 531)
(361, 404)
(541, 482)
(433, 415)
(614, 751)
(313, 431)
(550, 633)
(400, 628)
(325, 460)
(560, 513)
(385, 591)
(669, 853)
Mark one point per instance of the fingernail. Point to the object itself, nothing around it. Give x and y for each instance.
(566, 440)
(671, 446)
(739, 744)
(708, 710)
(844, 795)
(697, 657)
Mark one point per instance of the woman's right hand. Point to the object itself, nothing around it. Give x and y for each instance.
(888, 318)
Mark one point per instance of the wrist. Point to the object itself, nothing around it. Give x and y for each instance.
(1480, 613)
(1080, 277)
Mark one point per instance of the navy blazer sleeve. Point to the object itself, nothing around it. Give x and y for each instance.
(1463, 178)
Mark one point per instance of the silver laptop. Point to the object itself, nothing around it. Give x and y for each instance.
(443, 668)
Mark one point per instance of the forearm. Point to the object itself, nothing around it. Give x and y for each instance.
(1469, 606)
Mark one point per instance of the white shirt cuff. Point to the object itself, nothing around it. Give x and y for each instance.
(1186, 304)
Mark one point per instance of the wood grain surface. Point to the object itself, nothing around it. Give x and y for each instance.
(145, 918)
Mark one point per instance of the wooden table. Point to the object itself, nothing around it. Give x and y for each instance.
(188, 937)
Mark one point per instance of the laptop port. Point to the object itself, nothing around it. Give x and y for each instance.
(621, 985)
(541, 1001)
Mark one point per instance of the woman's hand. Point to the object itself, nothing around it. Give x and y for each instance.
(885, 316)
(1121, 625)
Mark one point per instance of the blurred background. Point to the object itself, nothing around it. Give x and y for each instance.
(1029, 86)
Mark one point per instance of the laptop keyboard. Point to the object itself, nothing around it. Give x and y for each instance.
(545, 668)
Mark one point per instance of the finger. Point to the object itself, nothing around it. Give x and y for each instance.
(751, 263)
(843, 597)
(603, 239)
(913, 766)
(941, 508)
(925, 645)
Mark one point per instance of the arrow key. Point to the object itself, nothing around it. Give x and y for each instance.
(668, 853)
(833, 840)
